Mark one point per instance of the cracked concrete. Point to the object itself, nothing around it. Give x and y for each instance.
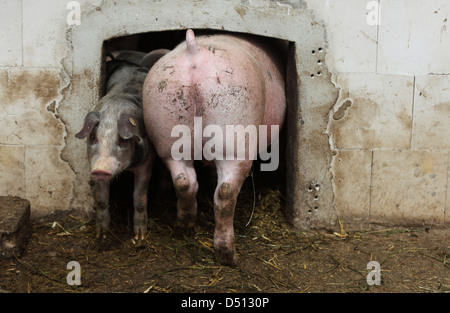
(30, 99)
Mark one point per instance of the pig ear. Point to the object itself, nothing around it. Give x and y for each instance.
(128, 127)
(91, 119)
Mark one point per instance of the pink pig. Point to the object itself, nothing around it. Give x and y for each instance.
(226, 80)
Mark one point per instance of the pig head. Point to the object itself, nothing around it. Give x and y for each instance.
(117, 143)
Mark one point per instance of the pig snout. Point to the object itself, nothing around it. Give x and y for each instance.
(105, 167)
(101, 175)
(105, 164)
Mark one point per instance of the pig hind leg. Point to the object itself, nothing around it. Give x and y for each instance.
(185, 183)
(231, 176)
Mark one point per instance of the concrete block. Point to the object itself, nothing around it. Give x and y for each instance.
(44, 32)
(352, 41)
(431, 127)
(48, 190)
(373, 112)
(447, 204)
(413, 37)
(28, 106)
(351, 182)
(11, 28)
(12, 167)
(15, 226)
(409, 187)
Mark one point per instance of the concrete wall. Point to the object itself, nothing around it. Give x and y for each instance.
(390, 127)
(369, 107)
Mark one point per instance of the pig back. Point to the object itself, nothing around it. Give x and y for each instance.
(125, 80)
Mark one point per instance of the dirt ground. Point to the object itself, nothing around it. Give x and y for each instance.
(273, 257)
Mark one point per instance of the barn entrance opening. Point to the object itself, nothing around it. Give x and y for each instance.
(261, 191)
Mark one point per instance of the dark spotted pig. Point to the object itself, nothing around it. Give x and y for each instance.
(150, 58)
(117, 141)
(140, 58)
(225, 80)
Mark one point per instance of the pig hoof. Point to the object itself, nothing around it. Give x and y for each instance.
(226, 257)
(140, 231)
(185, 225)
(140, 236)
(186, 222)
(101, 234)
(182, 232)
